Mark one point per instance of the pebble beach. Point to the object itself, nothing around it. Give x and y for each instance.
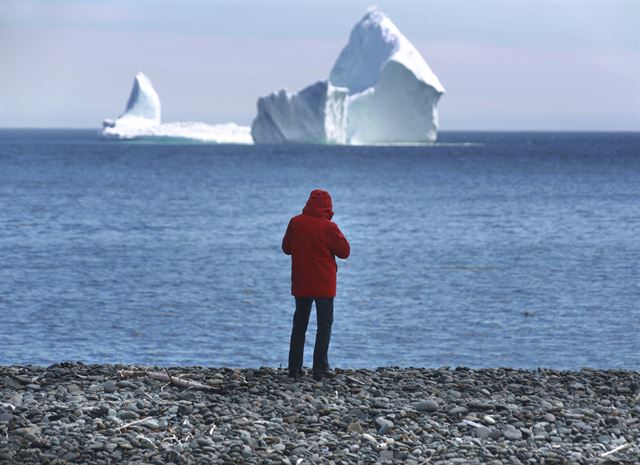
(110, 414)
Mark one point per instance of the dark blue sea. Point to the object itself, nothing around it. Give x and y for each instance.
(483, 250)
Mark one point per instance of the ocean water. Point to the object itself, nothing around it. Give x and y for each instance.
(483, 250)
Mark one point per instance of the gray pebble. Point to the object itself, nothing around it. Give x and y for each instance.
(427, 406)
(512, 434)
(483, 432)
(128, 415)
(458, 410)
(109, 387)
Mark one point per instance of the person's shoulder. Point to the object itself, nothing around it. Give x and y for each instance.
(297, 219)
(330, 225)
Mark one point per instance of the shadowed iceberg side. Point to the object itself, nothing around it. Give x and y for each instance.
(316, 114)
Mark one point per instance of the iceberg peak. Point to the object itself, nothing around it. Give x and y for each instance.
(374, 41)
(143, 101)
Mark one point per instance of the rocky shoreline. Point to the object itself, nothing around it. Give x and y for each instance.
(106, 414)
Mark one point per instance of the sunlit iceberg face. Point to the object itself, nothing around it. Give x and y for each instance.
(392, 95)
(399, 109)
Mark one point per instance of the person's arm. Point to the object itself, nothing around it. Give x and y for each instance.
(338, 243)
(286, 240)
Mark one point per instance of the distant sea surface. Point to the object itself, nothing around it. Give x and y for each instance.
(483, 250)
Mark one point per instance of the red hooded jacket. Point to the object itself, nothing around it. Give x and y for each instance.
(314, 241)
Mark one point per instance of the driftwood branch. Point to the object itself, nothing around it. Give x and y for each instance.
(136, 422)
(355, 380)
(472, 423)
(166, 377)
(617, 449)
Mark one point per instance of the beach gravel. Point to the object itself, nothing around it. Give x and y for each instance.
(110, 414)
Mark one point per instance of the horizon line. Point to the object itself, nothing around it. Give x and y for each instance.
(91, 128)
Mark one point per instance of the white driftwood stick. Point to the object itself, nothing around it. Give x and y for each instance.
(617, 449)
(142, 420)
(472, 423)
(181, 382)
(355, 380)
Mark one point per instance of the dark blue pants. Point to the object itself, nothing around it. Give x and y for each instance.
(324, 312)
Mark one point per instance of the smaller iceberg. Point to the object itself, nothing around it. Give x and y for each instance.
(143, 108)
(141, 119)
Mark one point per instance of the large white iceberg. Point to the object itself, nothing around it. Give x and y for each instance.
(392, 95)
(141, 119)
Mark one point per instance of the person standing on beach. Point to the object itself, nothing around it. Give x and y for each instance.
(314, 242)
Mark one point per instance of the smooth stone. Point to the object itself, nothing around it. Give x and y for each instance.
(126, 384)
(94, 388)
(187, 395)
(31, 437)
(28, 430)
(479, 405)
(458, 410)
(512, 434)
(384, 425)
(489, 420)
(111, 447)
(369, 438)
(152, 423)
(427, 406)
(355, 427)
(70, 456)
(128, 415)
(204, 442)
(12, 383)
(483, 432)
(109, 387)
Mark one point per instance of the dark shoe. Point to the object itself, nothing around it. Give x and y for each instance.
(318, 375)
(296, 374)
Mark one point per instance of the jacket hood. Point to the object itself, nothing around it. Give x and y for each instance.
(319, 204)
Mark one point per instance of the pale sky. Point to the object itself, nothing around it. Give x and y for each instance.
(506, 65)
